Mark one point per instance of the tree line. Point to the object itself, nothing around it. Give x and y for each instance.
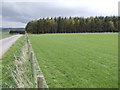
(73, 25)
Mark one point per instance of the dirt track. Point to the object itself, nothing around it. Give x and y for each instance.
(6, 43)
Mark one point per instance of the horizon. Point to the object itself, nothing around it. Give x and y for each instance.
(56, 17)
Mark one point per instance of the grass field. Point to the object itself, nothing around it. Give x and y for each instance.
(4, 34)
(78, 60)
(8, 62)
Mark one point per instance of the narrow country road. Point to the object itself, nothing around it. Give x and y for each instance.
(6, 43)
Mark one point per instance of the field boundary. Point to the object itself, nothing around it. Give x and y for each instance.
(26, 71)
(38, 73)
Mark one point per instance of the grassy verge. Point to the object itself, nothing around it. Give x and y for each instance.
(7, 62)
(78, 60)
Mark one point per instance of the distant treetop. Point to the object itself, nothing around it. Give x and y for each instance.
(74, 25)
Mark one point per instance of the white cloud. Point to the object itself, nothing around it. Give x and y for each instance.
(0, 20)
(12, 24)
(0, 15)
(16, 13)
(101, 7)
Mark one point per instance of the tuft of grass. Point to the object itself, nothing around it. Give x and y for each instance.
(7, 63)
(87, 60)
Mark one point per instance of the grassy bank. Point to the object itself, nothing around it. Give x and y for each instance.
(7, 62)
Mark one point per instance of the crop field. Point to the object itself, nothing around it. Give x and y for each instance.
(86, 60)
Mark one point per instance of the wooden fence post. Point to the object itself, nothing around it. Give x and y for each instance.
(29, 48)
(32, 63)
(40, 82)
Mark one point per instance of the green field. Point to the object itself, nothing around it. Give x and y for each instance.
(4, 34)
(87, 60)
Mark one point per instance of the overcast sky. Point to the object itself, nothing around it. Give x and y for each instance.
(16, 13)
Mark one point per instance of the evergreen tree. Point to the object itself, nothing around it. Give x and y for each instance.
(74, 25)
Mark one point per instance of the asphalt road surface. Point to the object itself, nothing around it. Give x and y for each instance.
(6, 43)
